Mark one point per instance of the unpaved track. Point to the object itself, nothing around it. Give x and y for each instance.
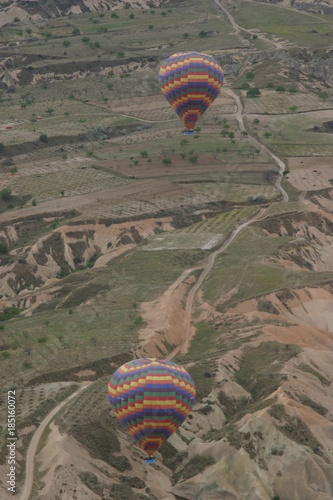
(187, 335)
(278, 161)
(188, 332)
(30, 458)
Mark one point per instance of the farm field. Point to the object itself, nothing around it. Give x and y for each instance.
(296, 27)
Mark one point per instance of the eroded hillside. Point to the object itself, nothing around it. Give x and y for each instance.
(121, 238)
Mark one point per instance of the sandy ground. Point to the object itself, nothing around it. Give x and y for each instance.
(311, 174)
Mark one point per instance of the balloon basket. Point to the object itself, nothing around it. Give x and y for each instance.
(189, 132)
(149, 460)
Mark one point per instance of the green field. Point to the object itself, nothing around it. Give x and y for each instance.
(296, 27)
(245, 268)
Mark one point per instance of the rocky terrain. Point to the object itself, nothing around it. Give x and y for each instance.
(122, 238)
(34, 11)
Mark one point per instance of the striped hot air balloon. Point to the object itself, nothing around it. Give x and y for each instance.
(190, 82)
(151, 398)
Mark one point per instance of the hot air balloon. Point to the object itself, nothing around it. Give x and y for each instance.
(190, 81)
(151, 398)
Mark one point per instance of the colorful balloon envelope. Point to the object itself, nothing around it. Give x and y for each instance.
(151, 398)
(190, 82)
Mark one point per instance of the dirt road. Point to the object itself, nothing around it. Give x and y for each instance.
(278, 161)
(30, 458)
(187, 334)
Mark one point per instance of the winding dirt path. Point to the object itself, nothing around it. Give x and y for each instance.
(278, 161)
(30, 458)
(188, 332)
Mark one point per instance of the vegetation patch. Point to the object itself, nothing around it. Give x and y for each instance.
(308, 369)
(317, 407)
(92, 482)
(195, 466)
(171, 457)
(100, 367)
(267, 306)
(102, 443)
(296, 430)
(260, 367)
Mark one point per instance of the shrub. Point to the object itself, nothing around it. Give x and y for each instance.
(253, 92)
(3, 247)
(76, 32)
(203, 34)
(43, 138)
(280, 88)
(5, 194)
(249, 75)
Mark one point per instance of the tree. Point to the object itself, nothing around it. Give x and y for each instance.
(203, 34)
(131, 16)
(245, 86)
(292, 90)
(249, 75)
(76, 32)
(166, 161)
(49, 111)
(5, 194)
(185, 35)
(255, 121)
(280, 88)
(43, 138)
(66, 43)
(253, 92)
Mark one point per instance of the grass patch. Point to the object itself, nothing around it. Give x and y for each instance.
(260, 367)
(308, 369)
(245, 267)
(317, 407)
(289, 24)
(296, 430)
(171, 457)
(196, 465)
